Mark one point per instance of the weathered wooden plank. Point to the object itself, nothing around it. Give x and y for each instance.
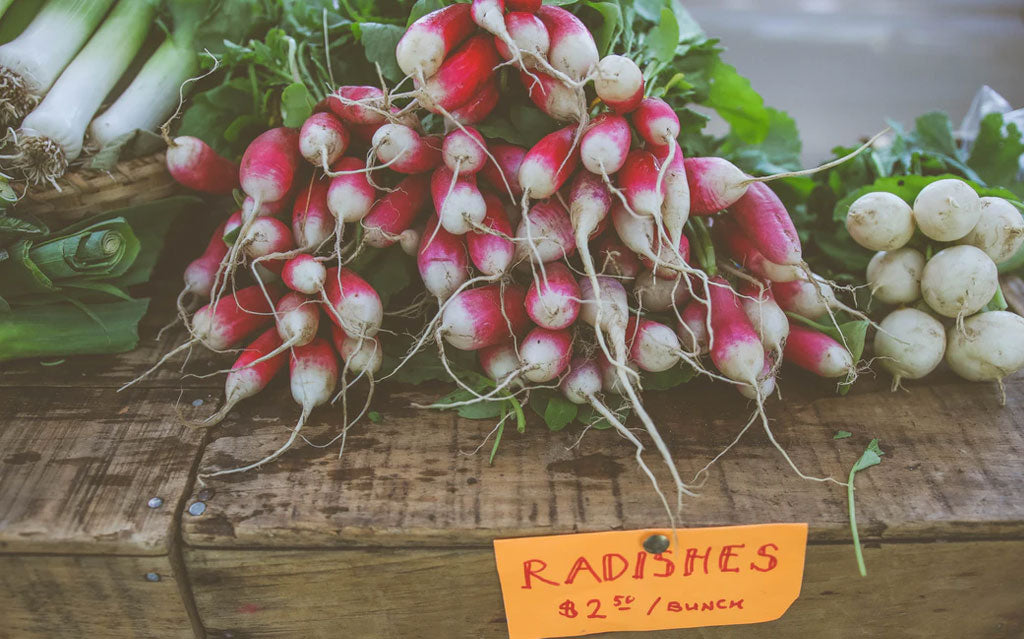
(951, 471)
(47, 596)
(77, 475)
(912, 590)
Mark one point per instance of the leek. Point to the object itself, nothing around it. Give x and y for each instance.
(30, 63)
(51, 135)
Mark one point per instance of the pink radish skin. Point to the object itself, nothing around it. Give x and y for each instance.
(736, 350)
(545, 354)
(322, 139)
(554, 303)
(429, 40)
(499, 361)
(234, 317)
(479, 107)
(369, 111)
(250, 373)
(527, 6)
(506, 173)
(551, 96)
(303, 273)
(658, 294)
(693, 328)
(473, 319)
(201, 272)
(545, 234)
(817, 353)
(269, 165)
(194, 165)
(461, 75)
(313, 370)
(572, 50)
(589, 203)
(231, 225)
(464, 150)
(350, 197)
(715, 184)
(652, 345)
(547, 166)
(492, 254)
(764, 219)
(267, 236)
(298, 318)
(442, 261)
(802, 297)
(394, 213)
(357, 307)
(669, 265)
(312, 222)
(362, 356)
(276, 208)
(605, 144)
(675, 211)
(638, 179)
(461, 207)
(583, 381)
(615, 258)
(656, 122)
(404, 150)
(741, 249)
(619, 83)
(528, 33)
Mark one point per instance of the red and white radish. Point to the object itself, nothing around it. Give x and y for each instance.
(554, 302)
(484, 316)
(403, 150)
(554, 98)
(605, 144)
(619, 83)
(545, 354)
(715, 184)
(529, 35)
(638, 180)
(194, 165)
(251, 373)
(817, 353)
(736, 350)
(766, 316)
(461, 75)
(764, 219)
(547, 166)
(479, 107)
(322, 139)
(358, 105)
(429, 40)
(305, 274)
(653, 346)
(741, 249)
(394, 213)
(545, 233)
(614, 258)
(312, 221)
(352, 303)
(464, 151)
(504, 176)
(572, 51)
(350, 195)
(692, 329)
(442, 261)
(458, 201)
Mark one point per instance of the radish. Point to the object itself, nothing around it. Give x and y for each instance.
(675, 211)
(409, 240)
(999, 231)
(545, 354)
(505, 174)
(765, 383)
(880, 221)
(322, 139)
(614, 258)
(605, 144)
(947, 210)
(312, 221)
(304, 274)
(545, 233)
(572, 50)
(429, 40)
(194, 165)
(201, 272)
(817, 353)
(656, 122)
(250, 374)
(653, 346)
(461, 75)
(959, 281)
(910, 344)
(547, 166)
(764, 219)
(231, 226)
(277, 208)
(658, 294)
(403, 150)
(990, 347)
(483, 316)
(458, 201)
(492, 252)
(810, 300)
(527, 6)
(668, 264)
(363, 356)
(265, 241)
(297, 319)
(464, 151)
(479, 107)
(350, 195)
(715, 184)
(741, 249)
(554, 303)
(611, 383)
(693, 329)
(313, 372)
(619, 83)
(359, 105)
(489, 15)
(225, 323)
(442, 261)
(588, 210)
(554, 98)
(500, 362)
(736, 350)
(352, 302)
(639, 181)
(768, 319)
(394, 213)
(895, 276)
(269, 165)
(528, 34)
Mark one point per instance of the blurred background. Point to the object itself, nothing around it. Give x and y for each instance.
(840, 67)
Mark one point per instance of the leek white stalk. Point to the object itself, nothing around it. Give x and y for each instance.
(30, 63)
(151, 96)
(52, 135)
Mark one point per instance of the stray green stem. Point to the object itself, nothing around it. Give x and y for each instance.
(853, 524)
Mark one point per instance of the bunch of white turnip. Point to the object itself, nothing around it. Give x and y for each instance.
(942, 299)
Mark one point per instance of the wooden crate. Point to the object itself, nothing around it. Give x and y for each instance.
(394, 539)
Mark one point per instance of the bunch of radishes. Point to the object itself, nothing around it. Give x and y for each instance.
(563, 265)
(971, 234)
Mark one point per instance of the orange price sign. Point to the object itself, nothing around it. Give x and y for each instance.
(580, 584)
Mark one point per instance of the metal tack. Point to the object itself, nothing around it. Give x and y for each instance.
(155, 502)
(196, 508)
(656, 544)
